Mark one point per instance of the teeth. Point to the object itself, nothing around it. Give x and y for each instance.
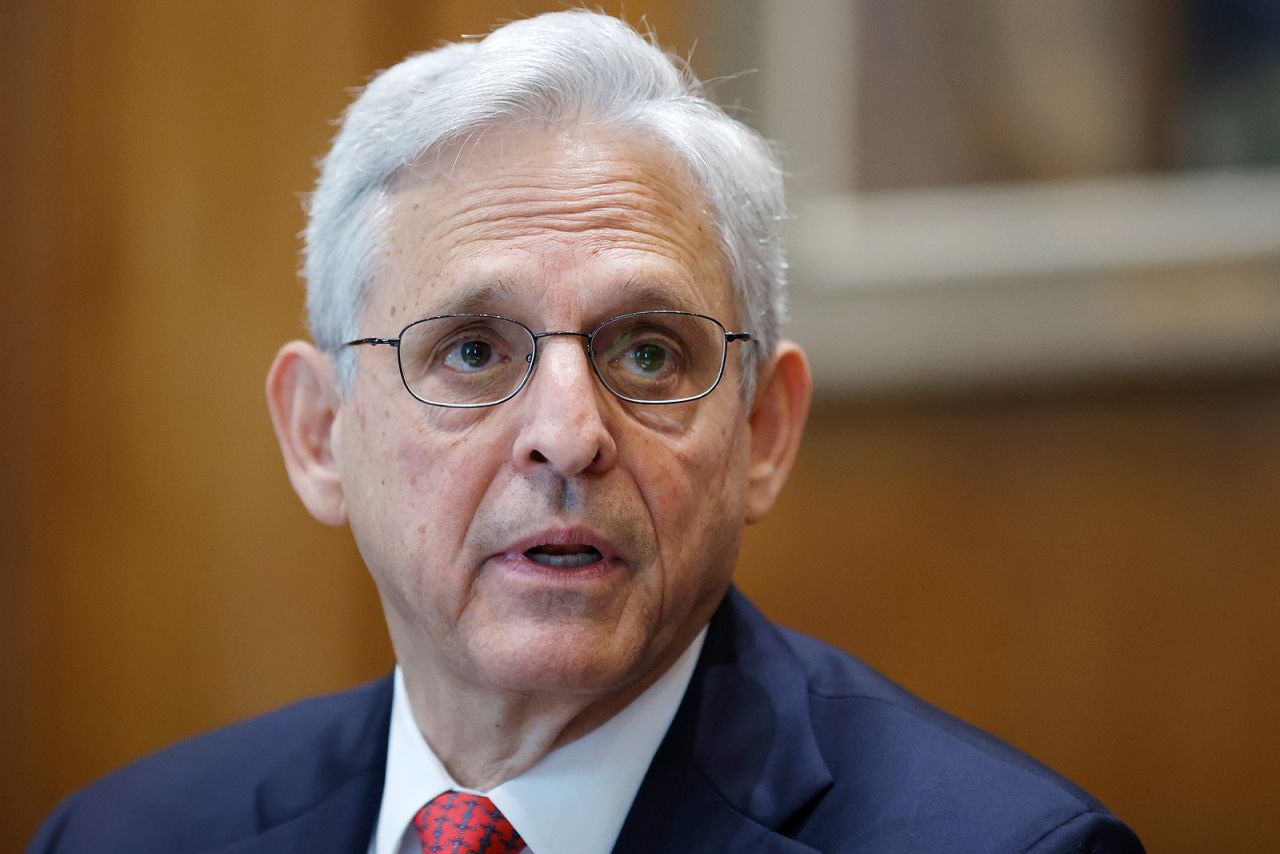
(564, 561)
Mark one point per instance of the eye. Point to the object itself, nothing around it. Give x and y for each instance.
(473, 352)
(470, 355)
(648, 358)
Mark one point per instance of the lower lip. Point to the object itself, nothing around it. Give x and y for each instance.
(517, 563)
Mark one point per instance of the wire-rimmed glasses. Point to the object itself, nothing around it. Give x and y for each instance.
(467, 361)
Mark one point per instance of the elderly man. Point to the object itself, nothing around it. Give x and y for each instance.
(547, 393)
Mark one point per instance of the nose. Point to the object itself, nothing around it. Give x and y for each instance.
(563, 411)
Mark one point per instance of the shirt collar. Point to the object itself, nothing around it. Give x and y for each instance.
(575, 799)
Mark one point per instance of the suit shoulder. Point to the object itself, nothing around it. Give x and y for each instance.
(915, 766)
(247, 749)
(208, 783)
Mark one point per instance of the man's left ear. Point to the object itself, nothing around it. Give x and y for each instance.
(777, 418)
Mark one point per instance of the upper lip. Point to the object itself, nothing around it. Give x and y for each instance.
(563, 537)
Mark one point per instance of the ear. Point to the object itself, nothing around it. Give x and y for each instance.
(303, 398)
(777, 421)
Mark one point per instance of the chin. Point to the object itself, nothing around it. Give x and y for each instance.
(560, 659)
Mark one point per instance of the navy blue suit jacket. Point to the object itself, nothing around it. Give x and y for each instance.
(781, 744)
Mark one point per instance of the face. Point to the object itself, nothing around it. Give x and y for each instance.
(457, 511)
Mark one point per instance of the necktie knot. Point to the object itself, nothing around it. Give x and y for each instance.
(459, 823)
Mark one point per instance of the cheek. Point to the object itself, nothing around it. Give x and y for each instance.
(418, 486)
(697, 499)
(443, 478)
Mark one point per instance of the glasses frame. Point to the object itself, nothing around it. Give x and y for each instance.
(532, 358)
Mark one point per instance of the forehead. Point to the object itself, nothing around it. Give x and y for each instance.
(572, 221)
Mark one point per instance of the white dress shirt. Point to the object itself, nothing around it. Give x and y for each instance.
(574, 801)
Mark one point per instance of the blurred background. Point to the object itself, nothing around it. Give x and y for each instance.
(1037, 266)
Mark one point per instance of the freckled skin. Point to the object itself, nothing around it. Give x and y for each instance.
(565, 221)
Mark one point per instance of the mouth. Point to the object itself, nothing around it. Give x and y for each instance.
(564, 556)
(563, 553)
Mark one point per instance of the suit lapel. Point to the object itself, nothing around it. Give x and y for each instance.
(325, 798)
(740, 758)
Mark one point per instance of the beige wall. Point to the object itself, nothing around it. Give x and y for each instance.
(1088, 575)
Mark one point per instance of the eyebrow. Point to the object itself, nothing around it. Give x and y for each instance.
(485, 298)
(634, 295)
(648, 294)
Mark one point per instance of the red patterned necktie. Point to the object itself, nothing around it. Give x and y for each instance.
(458, 823)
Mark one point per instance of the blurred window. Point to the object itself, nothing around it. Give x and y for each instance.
(1008, 90)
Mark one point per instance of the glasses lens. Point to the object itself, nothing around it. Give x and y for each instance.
(659, 356)
(465, 360)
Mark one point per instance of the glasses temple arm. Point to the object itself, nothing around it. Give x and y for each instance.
(394, 342)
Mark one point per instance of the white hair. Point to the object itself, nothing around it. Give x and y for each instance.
(558, 68)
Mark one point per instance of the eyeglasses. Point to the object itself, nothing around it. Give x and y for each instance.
(467, 361)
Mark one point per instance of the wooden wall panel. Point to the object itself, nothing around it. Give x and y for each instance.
(1091, 576)
(27, 328)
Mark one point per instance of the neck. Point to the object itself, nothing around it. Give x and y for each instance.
(485, 742)
(485, 736)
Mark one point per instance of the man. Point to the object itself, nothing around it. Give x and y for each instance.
(547, 393)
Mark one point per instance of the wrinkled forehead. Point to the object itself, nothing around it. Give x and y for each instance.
(538, 213)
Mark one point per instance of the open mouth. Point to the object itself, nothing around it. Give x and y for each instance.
(568, 556)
